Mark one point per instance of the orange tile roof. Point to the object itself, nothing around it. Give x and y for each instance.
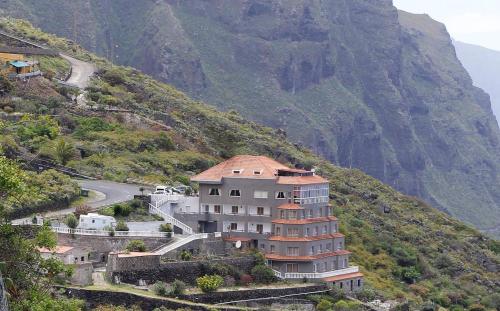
(58, 250)
(301, 180)
(247, 164)
(305, 239)
(279, 257)
(237, 238)
(343, 277)
(290, 206)
(303, 221)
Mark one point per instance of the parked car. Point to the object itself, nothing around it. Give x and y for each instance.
(163, 190)
(182, 189)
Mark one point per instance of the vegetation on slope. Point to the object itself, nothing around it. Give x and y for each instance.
(406, 248)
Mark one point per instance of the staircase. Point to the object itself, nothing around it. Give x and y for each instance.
(183, 241)
(154, 209)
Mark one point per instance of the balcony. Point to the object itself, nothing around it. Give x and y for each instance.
(316, 275)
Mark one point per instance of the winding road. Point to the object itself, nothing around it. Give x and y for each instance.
(80, 72)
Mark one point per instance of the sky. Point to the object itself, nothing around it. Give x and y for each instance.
(470, 21)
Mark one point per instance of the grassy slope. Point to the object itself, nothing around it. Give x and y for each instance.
(450, 262)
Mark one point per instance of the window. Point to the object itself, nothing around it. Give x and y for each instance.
(234, 209)
(311, 213)
(272, 248)
(234, 226)
(313, 250)
(213, 191)
(257, 172)
(293, 232)
(235, 193)
(260, 211)
(293, 251)
(292, 214)
(207, 208)
(82, 258)
(315, 268)
(328, 247)
(341, 284)
(359, 282)
(260, 228)
(335, 227)
(280, 195)
(260, 194)
(345, 262)
(217, 209)
(307, 231)
(237, 171)
(316, 231)
(321, 248)
(325, 229)
(278, 230)
(292, 267)
(282, 214)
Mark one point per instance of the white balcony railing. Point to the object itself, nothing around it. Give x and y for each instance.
(112, 233)
(316, 275)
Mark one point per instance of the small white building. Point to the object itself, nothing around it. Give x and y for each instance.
(93, 221)
(67, 254)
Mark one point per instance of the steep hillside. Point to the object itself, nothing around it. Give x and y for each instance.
(357, 81)
(483, 65)
(408, 250)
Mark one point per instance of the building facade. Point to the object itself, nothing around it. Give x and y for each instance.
(283, 211)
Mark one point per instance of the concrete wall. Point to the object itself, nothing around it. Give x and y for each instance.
(82, 274)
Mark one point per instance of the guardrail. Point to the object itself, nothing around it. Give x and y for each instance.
(113, 233)
(315, 275)
(181, 242)
(155, 210)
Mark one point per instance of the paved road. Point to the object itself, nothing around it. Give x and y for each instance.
(114, 192)
(108, 192)
(80, 72)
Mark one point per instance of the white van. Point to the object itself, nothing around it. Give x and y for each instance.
(163, 190)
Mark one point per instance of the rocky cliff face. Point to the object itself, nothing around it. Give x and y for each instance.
(484, 66)
(362, 84)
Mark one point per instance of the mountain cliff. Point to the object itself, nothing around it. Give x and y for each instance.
(358, 82)
(483, 65)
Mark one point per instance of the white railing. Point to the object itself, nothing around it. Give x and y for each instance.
(277, 274)
(169, 219)
(112, 233)
(320, 275)
(181, 242)
(160, 199)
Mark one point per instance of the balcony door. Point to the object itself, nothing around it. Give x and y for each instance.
(292, 268)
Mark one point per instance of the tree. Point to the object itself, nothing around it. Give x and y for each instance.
(165, 228)
(324, 305)
(136, 246)
(64, 151)
(141, 189)
(71, 221)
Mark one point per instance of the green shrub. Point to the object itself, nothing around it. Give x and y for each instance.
(186, 255)
(209, 283)
(136, 246)
(160, 289)
(121, 226)
(165, 228)
(71, 221)
(177, 288)
(135, 204)
(263, 274)
(122, 210)
(324, 305)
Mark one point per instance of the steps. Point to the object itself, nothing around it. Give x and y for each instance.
(169, 219)
(181, 242)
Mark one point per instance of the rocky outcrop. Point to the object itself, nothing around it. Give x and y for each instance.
(357, 81)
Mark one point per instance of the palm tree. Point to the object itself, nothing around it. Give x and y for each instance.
(64, 151)
(141, 189)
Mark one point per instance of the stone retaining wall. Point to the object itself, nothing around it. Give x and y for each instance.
(187, 271)
(94, 298)
(226, 296)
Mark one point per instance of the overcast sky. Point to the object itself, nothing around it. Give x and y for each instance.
(471, 21)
